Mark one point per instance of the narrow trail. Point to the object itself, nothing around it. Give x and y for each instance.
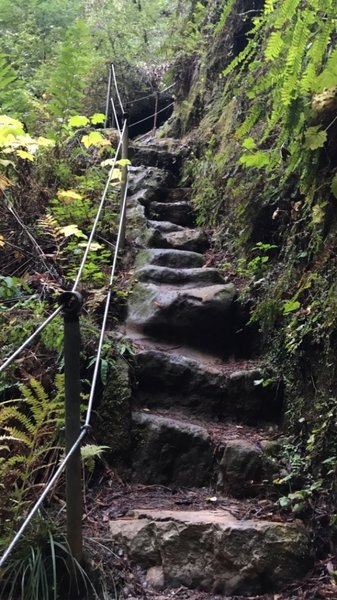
(194, 516)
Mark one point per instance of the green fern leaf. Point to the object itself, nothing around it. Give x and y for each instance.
(287, 10)
(275, 45)
(328, 76)
(268, 7)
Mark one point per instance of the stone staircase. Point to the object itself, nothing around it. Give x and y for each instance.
(200, 424)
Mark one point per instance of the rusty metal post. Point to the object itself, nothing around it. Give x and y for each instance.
(125, 155)
(71, 303)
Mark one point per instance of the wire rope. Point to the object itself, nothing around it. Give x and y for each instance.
(116, 87)
(86, 425)
(151, 116)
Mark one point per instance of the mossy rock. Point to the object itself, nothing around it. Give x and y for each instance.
(112, 425)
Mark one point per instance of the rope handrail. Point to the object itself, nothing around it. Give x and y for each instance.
(115, 117)
(151, 116)
(51, 317)
(98, 214)
(86, 425)
(26, 343)
(150, 95)
(116, 87)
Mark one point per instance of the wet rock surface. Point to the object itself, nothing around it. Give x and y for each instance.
(200, 316)
(170, 452)
(187, 239)
(212, 551)
(166, 379)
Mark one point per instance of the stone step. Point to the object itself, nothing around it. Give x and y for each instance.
(164, 226)
(149, 177)
(154, 156)
(169, 449)
(167, 452)
(212, 551)
(173, 259)
(179, 213)
(220, 391)
(192, 240)
(182, 277)
(174, 194)
(205, 317)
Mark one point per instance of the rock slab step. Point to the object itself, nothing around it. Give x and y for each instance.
(192, 240)
(167, 380)
(171, 258)
(169, 452)
(213, 551)
(172, 451)
(199, 316)
(182, 277)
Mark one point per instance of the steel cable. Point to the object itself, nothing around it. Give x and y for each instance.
(48, 320)
(151, 116)
(30, 339)
(98, 214)
(116, 87)
(40, 500)
(116, 117)
(150, 95)
(106, 310)
(86, 425)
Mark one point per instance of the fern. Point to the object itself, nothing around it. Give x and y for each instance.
(69, 80)
(275, 45)
(268, 7)
(7, 76)
(224, 15)
(328, 76)
(287, 10)
(29, 426)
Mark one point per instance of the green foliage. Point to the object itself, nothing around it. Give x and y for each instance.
(42, 566)
(190, 36)
(257, 265)
(7, 78)
(70, 78)
(226, 11)
(90, 453)
(29, 428)
(299, 62)
(114, 21)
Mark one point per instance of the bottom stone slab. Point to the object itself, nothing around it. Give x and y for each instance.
(213, 551)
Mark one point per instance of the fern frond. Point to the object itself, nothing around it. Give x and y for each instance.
(7, 74)
(268, 7)
(286, 12)
(11, 413)
(18, 459)
(274, 46)
(15, 435)
(224, 15)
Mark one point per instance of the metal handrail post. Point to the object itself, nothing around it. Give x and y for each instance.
(125, 156)
(71, 304)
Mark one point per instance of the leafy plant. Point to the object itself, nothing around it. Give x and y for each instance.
(29, 428)
(69, 80)
(42, 566)
(259, 263)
